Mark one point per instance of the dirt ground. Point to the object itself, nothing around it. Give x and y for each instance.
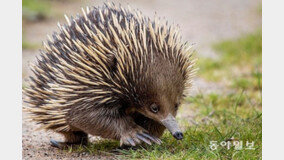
(201, 23)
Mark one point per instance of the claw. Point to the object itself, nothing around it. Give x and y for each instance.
(124, 142)
(153, 138)
(136, 140)
(130, 140)
(56, 144)
(140, 136)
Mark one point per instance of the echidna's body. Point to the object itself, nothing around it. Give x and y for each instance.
(102, 73)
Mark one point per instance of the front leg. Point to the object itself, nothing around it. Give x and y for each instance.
(112, 123)
(132, 134)
(153, 127)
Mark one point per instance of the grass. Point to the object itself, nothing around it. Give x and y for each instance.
(240, 58)
(35, 9)
(228, 118)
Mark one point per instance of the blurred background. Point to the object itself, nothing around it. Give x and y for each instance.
(227, 38)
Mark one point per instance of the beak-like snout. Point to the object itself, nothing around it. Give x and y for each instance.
(171, 124)
(178, 135)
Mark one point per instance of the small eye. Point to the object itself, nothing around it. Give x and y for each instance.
(154, 108)
(176, 106)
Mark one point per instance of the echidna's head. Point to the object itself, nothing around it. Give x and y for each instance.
(161, 94)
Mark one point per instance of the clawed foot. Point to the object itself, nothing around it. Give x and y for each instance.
(62, 145)
(57, 144)
(136, 137)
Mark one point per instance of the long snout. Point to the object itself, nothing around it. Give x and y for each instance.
(171, 124)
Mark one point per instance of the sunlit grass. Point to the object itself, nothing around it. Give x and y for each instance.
(237, 58)
(244, 50)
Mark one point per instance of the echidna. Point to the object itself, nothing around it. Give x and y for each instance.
(113, 73)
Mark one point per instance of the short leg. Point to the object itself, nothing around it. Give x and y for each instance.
(112, 124)
(131, 134)
(153, 127)
(71, 138)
